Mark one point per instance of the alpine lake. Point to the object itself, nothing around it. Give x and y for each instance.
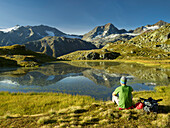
(95, 79)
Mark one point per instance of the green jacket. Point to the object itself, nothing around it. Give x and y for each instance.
(125, 96)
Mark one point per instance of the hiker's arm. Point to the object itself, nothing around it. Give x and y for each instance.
(113, 94)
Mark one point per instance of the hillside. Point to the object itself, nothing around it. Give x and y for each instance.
(58, 46)
(117, 51)
(18, 55)
(149, 45)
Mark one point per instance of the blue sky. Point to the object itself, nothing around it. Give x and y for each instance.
(81, 16)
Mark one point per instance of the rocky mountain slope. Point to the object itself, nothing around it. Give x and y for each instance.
(101, 35)
(18, 55)
(149, 45)
(158, 39)
(23, 34)
(101, 31)
(149, 27)
(58, 46)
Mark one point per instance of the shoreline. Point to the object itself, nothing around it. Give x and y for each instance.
(150, 63)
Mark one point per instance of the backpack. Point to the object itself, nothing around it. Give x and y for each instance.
(150, 105)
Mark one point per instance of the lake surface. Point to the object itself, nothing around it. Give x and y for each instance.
(96, 79)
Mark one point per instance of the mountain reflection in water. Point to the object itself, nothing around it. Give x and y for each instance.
(97, 79)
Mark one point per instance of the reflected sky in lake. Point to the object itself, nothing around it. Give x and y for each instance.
(94, 79)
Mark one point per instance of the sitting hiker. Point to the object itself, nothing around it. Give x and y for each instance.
(123, 95)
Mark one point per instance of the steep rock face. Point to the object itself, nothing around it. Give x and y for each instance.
(57, 46)
(23, 34)
(102, 31)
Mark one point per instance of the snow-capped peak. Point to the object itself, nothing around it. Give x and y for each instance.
(6, 30)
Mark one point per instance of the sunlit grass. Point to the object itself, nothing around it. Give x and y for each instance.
(33, 103)
(63, 110)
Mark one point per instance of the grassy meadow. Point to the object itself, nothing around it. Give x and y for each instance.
(53, 110)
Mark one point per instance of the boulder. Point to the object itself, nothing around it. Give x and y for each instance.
(93, 56)
(111, 55)
(168, 36)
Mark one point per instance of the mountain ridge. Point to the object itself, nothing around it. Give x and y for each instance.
(23, 34)
(101, 35)
(151, 45)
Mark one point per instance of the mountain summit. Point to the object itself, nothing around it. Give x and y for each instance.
(102, 31)
(160, 23)
(6, 30)
(155, 26)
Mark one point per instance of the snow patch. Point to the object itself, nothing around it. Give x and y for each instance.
(9, 82)
(50, 33)
(112, 36)
(98, 36)
(31, 32)
(6, 30)
(151, 28)
(104, 33)
(132, 34)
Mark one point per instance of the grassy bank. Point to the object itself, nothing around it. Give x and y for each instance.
(63, 110)
(17, 55)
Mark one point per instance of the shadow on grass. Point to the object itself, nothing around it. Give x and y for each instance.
(50, 122)
(164, 109)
